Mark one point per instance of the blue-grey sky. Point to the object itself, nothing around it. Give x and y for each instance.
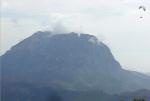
(116, 22)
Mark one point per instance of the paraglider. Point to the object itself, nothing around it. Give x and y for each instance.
(143, 8)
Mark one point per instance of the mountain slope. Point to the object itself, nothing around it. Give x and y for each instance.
(68, 62)
(29, 92)
(141, 94)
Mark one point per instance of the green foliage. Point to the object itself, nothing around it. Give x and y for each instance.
(138, 100)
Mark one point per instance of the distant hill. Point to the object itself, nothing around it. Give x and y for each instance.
(65, 62)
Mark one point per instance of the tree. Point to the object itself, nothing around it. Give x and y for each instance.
(138, 100)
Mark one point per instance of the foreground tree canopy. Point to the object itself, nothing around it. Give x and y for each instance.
(138, 100)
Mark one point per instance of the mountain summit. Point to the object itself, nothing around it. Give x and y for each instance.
(69, 61)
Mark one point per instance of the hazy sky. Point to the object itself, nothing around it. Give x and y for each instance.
(115, 22)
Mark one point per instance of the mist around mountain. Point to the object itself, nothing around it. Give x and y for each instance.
(64, 67)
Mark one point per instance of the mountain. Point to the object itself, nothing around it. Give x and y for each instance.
(66, 62)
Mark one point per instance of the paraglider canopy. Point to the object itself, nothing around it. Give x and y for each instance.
(142, 7)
